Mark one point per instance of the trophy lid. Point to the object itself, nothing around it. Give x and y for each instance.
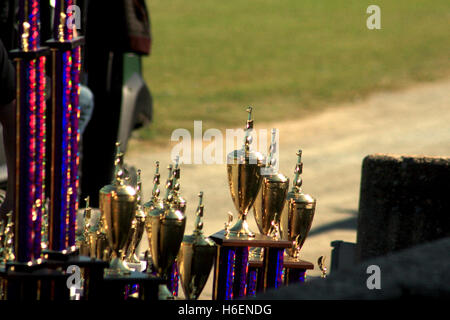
(154, 200)
(272, 174)
(139, 208)
(245, 155)
(296, 193)
(197, 238)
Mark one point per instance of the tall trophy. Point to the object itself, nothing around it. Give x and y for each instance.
(244, 178)
(137, 229)
(196, 258)
(165, 229)
(270, 201)
(118, 207)
(298, 213)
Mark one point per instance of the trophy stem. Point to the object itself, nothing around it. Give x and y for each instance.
(241, 228)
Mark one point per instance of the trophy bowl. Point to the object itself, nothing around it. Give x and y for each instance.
(195, 262)
(118, 211)
(270, 201)
(166, 235)
(196, 258)
(244, 180)
(296, 220)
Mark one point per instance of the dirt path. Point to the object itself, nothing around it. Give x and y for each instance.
(334, 143)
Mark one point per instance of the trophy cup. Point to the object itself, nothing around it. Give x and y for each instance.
(118, 207)
(137, 229)
(165, 228)
(196, 258)
(298, 213)
(271, 198)
(244, 179)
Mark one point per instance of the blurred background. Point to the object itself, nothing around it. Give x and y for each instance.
(288, 58)
(312, 69)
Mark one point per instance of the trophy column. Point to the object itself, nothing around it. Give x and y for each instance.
(232, 268)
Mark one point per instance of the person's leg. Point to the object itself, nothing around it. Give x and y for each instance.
(100, 136)
(7, 119)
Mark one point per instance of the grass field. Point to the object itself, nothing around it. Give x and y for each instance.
(286, 58)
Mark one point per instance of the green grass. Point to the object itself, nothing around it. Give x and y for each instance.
(286, 58)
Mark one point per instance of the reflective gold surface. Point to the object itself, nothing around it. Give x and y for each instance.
(244, 179)
(196, 258)
(165, 225)
(118, 207)
(298, 214)
(137, 227)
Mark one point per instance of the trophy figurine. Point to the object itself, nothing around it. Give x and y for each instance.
(165, 229)
(118, 207)
(244, 179)
(179, 201)
(82, 241)
(137, 229)
(196, 258)
(271, 197)
(298, 213)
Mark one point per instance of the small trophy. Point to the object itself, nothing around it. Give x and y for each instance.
(118, 207)
(82, 241)
(137, 229)
(271, 198)
(322, 267)
(244, 179)
(298, 213)
(196, 258)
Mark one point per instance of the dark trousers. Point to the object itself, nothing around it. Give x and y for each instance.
(105, 76)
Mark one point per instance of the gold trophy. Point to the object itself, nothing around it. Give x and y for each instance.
(137, 229)
(180, 202)
(244, 178)
(298, 213)
(271, 198)
(154, 200)
(165, 229)
(196, 258)
(82, 241)
(118, 207)
(99, 244)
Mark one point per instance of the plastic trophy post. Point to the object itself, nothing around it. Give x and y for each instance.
(24, 275)
(64, 133)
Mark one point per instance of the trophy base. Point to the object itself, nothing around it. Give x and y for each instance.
(134, 266)
(117, 267)
(241, 230)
